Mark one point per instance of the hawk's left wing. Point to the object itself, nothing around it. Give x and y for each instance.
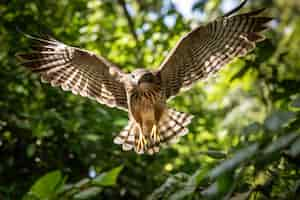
(206, 49)
(76, 70)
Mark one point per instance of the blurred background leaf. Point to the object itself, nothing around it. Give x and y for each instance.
(46, 186)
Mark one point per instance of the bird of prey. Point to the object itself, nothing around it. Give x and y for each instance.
(144, 93)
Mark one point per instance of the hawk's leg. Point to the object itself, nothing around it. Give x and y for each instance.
(141, 142)
(154, 135)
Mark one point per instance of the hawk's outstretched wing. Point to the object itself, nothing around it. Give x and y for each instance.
(76, 70)
(206, 49)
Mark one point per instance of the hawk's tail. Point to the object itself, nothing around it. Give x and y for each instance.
(126, 138)
(172, 125)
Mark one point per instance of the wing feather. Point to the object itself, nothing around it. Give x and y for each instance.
(206, 49)
(76, 70)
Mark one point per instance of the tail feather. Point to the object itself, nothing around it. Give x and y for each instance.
(172, 126)
(126, 137)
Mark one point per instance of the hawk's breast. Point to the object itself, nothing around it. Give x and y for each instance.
(143, 103)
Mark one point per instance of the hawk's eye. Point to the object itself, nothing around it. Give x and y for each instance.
(133, 76)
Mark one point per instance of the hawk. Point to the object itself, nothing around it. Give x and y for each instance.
(144, 93)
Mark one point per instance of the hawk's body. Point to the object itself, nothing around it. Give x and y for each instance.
(146, 108)
(144, 93)
(150, 122)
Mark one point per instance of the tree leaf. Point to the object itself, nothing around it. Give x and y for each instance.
(47, 185)
(88, 193)
(296, 103)
(295, 148)
(231, 163)
(30, 150)
(184, 192)
(82, 182)
(280, 143)
(242, 196)
(211, 191)
(170, 187)
(224, 183)
(251, 128)
(190, 185)
(214, 154)
(108, 178)
(277, 119)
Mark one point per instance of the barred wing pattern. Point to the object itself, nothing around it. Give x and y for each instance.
(76, 70)
(206, 49)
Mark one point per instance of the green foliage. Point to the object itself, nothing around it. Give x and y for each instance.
(107, 179)
(46, 186)
(244, 140)
(52, 186)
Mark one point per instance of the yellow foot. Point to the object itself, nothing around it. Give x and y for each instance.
(141, 143)
(154, 134)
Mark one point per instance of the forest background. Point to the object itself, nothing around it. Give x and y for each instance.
(243, 142)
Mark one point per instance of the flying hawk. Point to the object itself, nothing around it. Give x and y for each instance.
(144, 93)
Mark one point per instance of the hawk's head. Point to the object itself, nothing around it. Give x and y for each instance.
(141, 76)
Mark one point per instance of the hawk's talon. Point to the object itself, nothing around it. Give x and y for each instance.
(141, 143)
(154, 134)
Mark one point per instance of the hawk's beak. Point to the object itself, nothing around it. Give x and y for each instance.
(135, 82)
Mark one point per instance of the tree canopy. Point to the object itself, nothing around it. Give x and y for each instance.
(244, 140)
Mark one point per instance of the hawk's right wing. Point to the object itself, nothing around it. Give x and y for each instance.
(206, 49)
(76, 70)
